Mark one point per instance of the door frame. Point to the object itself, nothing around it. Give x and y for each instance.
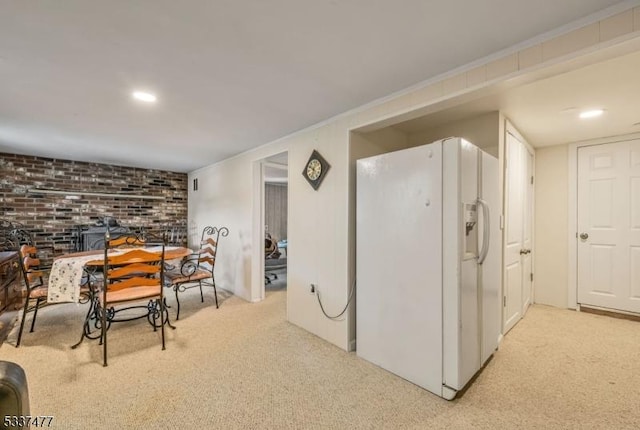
(511, 129)
(257, 265)
(532, 221)
(572, 231)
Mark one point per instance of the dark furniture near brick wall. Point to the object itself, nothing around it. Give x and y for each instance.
(10, 287)
(90, 238)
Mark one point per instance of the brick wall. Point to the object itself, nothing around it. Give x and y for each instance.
(52, 218)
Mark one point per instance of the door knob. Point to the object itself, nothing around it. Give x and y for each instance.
(584, 236)
(524, 251)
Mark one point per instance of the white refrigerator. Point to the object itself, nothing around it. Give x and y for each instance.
(428, 263)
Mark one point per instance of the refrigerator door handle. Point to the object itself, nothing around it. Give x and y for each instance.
(485, 231)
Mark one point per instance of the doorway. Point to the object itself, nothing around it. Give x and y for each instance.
(608, 226)
(518, 237)
(274, 223)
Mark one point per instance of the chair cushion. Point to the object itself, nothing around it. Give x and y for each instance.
(133, 293)
(38, 293)
(178, 278)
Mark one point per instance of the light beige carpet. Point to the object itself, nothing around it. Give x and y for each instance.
(244, 367)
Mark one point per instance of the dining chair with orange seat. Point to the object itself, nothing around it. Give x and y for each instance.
(127, 240)
(34, 275)
(199, 267)
(132, 279)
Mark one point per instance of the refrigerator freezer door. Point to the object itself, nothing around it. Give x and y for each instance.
(460, 287)
(489, 271)
(399, 263)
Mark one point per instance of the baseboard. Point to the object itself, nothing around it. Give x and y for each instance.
(610, 313)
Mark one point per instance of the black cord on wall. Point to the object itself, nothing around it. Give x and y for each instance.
(353, 289)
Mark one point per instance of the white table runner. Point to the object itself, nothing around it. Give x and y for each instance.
(65, 277)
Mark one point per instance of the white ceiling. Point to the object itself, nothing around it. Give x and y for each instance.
(546, 111)
(229, 75)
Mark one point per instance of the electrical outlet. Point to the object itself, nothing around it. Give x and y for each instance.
(313, 288)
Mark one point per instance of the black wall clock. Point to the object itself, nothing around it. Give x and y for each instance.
(315, 169)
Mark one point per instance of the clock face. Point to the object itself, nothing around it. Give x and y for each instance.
(314, 169)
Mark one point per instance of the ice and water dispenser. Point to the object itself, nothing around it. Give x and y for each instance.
(470, 212)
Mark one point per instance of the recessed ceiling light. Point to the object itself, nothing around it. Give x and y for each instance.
(591, 113)
(144, 97)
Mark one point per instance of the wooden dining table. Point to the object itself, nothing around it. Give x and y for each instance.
(69, 270)
(170, 253)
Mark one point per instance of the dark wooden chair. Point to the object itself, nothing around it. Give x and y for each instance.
(132, 280)
(199, 267)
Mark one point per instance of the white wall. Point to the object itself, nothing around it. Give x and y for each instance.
(319, 221)
(377, 142)
(317, 236)
(224, 199)
(482, 131)
(551, 223)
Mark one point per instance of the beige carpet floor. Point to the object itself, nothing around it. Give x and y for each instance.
(242, 366)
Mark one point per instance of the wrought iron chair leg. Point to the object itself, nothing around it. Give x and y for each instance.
(161, 304)
(215, 292)
(103, 316)
(85, 326)
(24, 315)
(175, 288)
(77, 344)
(153, 308)
(35, 315)
(166, 313)
(201, 295)
(99, 317)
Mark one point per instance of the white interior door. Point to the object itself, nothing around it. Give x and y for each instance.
(518, 237)
(609, 226)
